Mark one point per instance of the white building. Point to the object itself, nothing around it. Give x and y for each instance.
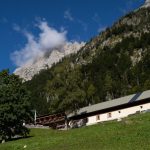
(112, 110)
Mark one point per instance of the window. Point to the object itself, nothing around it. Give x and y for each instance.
(97, 117)
(109, 115)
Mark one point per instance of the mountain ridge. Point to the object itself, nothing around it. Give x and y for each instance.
(115, 63)
(27, 71)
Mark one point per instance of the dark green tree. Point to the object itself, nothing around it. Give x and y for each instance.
(14, 106)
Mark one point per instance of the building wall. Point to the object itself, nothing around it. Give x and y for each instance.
(118, 114)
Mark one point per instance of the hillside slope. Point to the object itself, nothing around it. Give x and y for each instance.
(130, 134)
(113, 64)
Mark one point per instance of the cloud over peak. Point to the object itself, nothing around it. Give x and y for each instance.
(48, 39)
(51, 38)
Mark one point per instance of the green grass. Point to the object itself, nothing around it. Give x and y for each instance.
(132, 133)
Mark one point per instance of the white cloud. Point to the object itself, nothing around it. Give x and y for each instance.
(48, 39)
(68, 15)
(51, 38)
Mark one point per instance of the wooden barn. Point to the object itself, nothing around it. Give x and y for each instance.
(54, 121)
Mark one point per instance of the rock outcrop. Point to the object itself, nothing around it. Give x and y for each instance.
(146, 4)
(27, 71)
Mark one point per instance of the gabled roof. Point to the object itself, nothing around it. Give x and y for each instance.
(113, 103)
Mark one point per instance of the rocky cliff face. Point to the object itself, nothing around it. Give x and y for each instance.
(133, 25)
(29, 70)
(147, 4)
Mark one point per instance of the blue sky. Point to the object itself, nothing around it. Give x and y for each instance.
(79, 19)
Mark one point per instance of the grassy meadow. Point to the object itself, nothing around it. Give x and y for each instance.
(132, 133)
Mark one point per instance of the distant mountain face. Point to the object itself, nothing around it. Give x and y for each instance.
(27, 71)
(113, 64)
(147, 4)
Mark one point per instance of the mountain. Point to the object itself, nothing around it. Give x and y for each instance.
(147, 4)
(28, 70)
(115, 63)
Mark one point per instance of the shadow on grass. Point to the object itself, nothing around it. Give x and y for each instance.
(18, 138)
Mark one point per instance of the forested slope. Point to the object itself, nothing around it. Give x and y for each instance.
(113, 64)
